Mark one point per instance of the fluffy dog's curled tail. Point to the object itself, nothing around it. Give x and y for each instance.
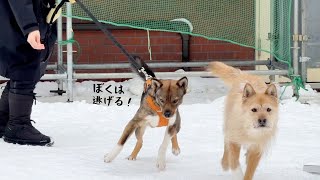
(146, 71)
(227, 73)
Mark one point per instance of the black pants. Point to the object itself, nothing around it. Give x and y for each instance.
(21, 87)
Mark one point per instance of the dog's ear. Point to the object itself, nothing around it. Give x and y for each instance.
(183, 83)
(248, 91)
(272, 91)
(156, 84)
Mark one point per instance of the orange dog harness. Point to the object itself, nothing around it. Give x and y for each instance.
(163, 121)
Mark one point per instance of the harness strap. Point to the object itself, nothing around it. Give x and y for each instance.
(163, 121)
(147, 84)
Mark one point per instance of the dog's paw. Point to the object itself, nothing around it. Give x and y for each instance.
(176, 151)
(161, 164)
(130, 158)
(108, 158)
(113, 154)
(225, 164)
(237, 174)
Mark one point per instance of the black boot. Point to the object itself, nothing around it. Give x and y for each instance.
(19, 128)
(4, 109)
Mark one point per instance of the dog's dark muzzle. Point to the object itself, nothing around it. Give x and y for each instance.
(167, 114)
(262, 122)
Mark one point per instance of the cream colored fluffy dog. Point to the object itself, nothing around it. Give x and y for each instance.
(250, 120)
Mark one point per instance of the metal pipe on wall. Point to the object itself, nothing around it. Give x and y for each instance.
(59, 48)
(158, 74)
(162, 64)
(45, 77)
(295, 39)
(168, 74)
(69, 54)
(303, 44)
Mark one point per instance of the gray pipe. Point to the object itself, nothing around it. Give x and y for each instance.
(296, 43)
(168, 74)
(69, 55)
(161, 65)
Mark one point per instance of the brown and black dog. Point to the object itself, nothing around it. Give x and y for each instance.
(158, 107)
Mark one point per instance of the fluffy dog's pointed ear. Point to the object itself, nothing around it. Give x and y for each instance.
(272, 91)
(248, 91)
(183, 83)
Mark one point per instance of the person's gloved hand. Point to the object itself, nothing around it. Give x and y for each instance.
(34, 40)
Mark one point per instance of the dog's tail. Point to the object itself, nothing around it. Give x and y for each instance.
(227, 73)
(144, 71)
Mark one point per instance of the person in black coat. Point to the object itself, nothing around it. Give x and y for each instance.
(26, 43)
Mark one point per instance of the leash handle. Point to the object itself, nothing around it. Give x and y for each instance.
(56, 10)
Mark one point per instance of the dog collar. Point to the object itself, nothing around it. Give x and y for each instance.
(163, 121)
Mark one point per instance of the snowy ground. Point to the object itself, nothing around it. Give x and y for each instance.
(84, 132)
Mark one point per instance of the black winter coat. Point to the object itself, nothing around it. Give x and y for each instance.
(18, 60)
